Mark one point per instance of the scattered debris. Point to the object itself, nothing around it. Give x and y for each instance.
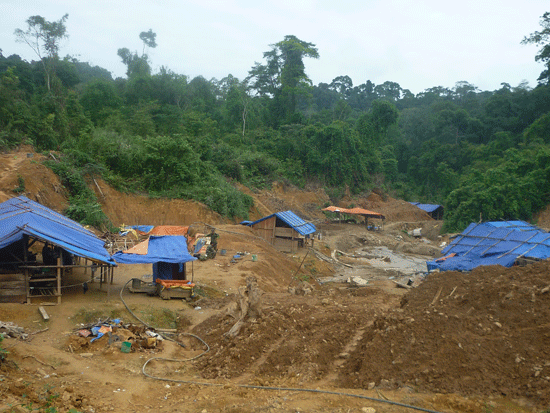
(138, 337)
(9, 329)
(357, 282)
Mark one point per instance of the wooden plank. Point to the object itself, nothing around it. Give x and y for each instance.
(284, 232)
(284, 244)
(43, 313)
(12, 288)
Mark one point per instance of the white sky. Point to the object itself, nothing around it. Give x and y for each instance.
(416, 43)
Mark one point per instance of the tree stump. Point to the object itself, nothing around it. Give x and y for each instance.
(248, 306)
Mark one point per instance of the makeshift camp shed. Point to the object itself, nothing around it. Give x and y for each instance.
(167, 253)
(365, 213)
(494, 243)
(285, 230)
(433, 210)
(37, 246)
(131, 235)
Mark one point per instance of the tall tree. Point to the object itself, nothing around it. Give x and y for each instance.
(283, 77)
(542, 39)
(44, 37)
(138, 65)
(293, 75)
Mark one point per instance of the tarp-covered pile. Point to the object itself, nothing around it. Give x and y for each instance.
(159, 251)
(166, 248)
(493, 243)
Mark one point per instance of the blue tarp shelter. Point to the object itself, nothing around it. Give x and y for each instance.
(291, 220)
(167, 253)
(434, 210)
(20, 216)
(493, 243)
(285, 230)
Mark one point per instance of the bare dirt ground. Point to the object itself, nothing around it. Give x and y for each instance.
(455, 342)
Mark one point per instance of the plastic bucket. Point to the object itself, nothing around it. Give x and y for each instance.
(126, 346)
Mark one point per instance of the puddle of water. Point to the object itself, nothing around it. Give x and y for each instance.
(386, 259)
(381, 262)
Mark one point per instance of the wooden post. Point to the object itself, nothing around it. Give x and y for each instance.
(27, 289)
(86, 266)
(108, 269)
(59, 271)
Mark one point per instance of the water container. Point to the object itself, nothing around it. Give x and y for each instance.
(126, 346)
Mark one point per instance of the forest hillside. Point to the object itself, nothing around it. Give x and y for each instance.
(481, 154)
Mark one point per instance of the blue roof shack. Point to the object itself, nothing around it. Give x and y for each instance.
(167, 253)
(433, 210)
(25, 227)
(494, 243)
(285, 230)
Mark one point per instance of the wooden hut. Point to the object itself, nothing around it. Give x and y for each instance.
(285, 230)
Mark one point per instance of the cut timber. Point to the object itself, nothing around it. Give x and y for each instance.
(44, 314)
(407, 287)
(333, 256)
(437, 295)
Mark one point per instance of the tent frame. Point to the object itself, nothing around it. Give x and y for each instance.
(106, 274)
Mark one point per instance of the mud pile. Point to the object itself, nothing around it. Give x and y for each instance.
(479, 333)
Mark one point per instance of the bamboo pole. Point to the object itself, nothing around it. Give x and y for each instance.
(59, 271)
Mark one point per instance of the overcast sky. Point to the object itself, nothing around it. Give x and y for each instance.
(416, 43)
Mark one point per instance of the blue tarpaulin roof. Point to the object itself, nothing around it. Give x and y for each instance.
(142, 228)
(292, 220)
(20, 216)
(493, 243)
(165, 248)
(429, 208)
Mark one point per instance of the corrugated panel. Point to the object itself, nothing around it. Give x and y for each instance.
(293, 220)
(302, 227)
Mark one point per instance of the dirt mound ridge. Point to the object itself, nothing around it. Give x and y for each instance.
(484, 332)
(22, 173)
(42, 185)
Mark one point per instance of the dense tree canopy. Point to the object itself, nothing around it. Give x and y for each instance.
(479, 153)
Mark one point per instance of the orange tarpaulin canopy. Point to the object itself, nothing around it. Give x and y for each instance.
(169, 230)
(139, 249)
(355, 211)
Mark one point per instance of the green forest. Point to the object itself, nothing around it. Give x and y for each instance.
(478, 153)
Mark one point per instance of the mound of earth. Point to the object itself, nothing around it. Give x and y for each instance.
(22, 173)
(458, 342)
(484, 332)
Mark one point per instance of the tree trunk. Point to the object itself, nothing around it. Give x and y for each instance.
(249, 305)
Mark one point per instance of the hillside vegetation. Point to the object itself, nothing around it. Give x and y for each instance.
(479, 153)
